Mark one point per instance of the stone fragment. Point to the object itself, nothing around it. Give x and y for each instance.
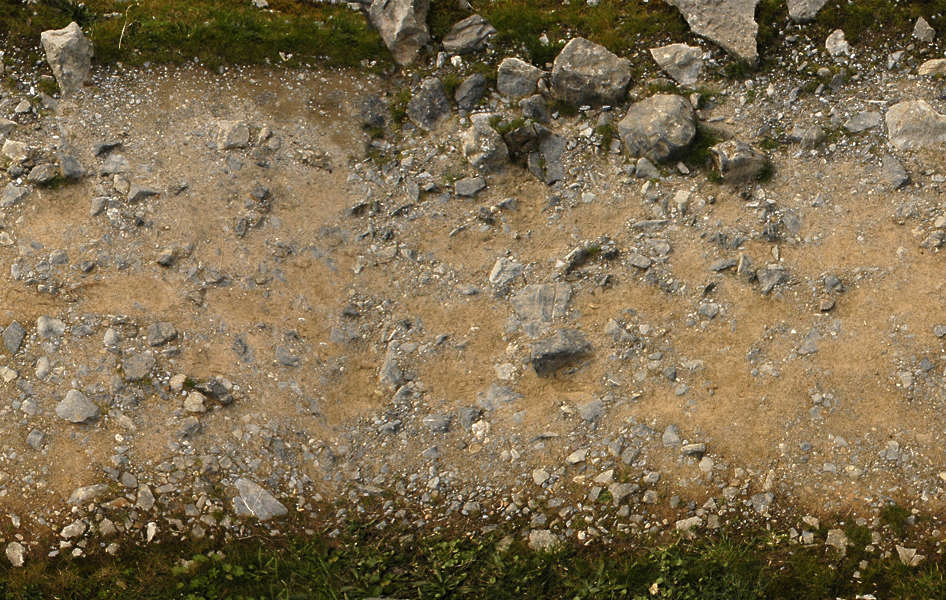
(75, 407)
(516, 78)
(402, 25)
(681, 62)
(729, 23)
(469, 35)
(428, 105)
(586, 73)
(69, 54)
(562, 348)
(658, 127)
(255, 501)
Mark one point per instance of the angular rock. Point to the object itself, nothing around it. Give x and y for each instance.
(13, 336)
(681, 62)
(255, 501)
(863, 121)
(892, 173)
(373, 111)
(43, 174)
(15, 553)
(13, 195)
(808, 136)
(729, 23)
(585, 73)
(87, 493)
(48, 327)
(429, 104)
(69, 54)
(561, 349)
(470, 91)
(913, 124)
(469, 35)
(658, 127)
(771, 276)
(232, 134)
(15, 151)
(76, 408)
(469, 186)
(137, 366)
(736, 161)
(923, 32)
(535, 107)
(543, 540)
(516, 78)
(542, 302)
(482, 145)
(160, 333)
(402, 25)
(505, 271)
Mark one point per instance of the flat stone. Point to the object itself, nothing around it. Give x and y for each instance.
(517, 78)
(468, 35)
(255, 501)
(562, 348)
(76, 408)
(729, 23)
(803, 11)
(13, 337)
(681, 62)
(86, 494)
(586, 73)
(137, 366)
(914, 124)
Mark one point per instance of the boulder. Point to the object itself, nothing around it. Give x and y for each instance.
(932, 68)
(803, 11)
(429, 104)
(536, 108)
(588, 73)
(737, 161)
(402, 25)
(658, 127)
(913, 124)
(729, 23)
(469, 35)
(681, 62)
(483, 146)
(517, 78)
(69, 54)
(559, 350)
(470, 91)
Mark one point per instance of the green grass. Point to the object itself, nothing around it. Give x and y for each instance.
(365, 561)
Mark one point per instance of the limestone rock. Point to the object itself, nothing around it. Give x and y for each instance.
(729, 23)
(585, 73)
(923, 32)
(658, 127)
(76, 408)
(681, 62)
(402, 25)
(914, 124)
(469, 35)
(836, 44)
(934, 67)
(69, 54)
(802, 11)
(517, 78)
(15, 553)
(562, 348)
(429, 104)
(483, 146)
(737, 161)
(255, 501)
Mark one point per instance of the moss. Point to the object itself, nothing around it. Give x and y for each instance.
(607, 132)
(451, 81)
(503, 127)
(895, 518)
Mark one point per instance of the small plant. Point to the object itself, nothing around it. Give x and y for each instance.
(399, 105)
(607, 132)
(895, 517)
(451, 81)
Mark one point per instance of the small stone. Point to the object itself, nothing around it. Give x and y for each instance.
(137, 366)
(15, 553)
(76, 408)
(49, 327)
(195, 402)
(255, 501)
(84, 495)
(923, 32)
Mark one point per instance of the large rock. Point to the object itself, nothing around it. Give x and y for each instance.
(736, 161)
(683, 63)
(76, 408)
(254, 501)
(913, 124)
(517, 78)
(658, 127)
(402, 25)
(802, 11)
(470, 91)
(729, 23)
(469, 35)
(559, 350)
(483, 146)
(429, 104)
(588, 73)
(69, 54)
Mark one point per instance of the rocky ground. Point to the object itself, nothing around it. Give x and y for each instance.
(584, 301)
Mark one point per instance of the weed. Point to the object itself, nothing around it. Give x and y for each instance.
(451, 81)
(399, 105)
(607, 132)
(895, 517)
(698, 155)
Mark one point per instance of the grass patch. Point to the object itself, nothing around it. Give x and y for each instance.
(895, 518)
(399, 104)
(698, 155)
(367, 562)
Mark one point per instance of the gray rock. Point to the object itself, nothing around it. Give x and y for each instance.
(43, 174)
(658, 127)
(402, 25)
(36, 439)
(536, 108)
(771, 276)
(516, 78)
(469, 186)
(48, 327)
(644, 169)
(137, 193)
(591, 410)
(470, 91)
(188, 427)
(562, 348)
(681, 62)
(585, 73)
(809, 345)
(671, 436)
(69, 165)
(729, 23)
(285, 357)
(373, 111)
(892, 173)
(17, 152)
(438, 423)
(13, 195)
(74, 529)
(546, 162)
(863, 121)
(86, 494)
(115, 163)
(230, 135)
(76, 408)
(505, 271)
(15, 554)
(429, 105)
(469, 35)
(497, 395)
(543, 540)
(737, 161)
(803, 11)
(137, 366)
(808, 136)
(482, 145)
(923, 32)
(914, 124)
(13, 336)
(836, 44)
(145, 498)
(69, 54)
(160, 333)
(542, 303)
(255, 501)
